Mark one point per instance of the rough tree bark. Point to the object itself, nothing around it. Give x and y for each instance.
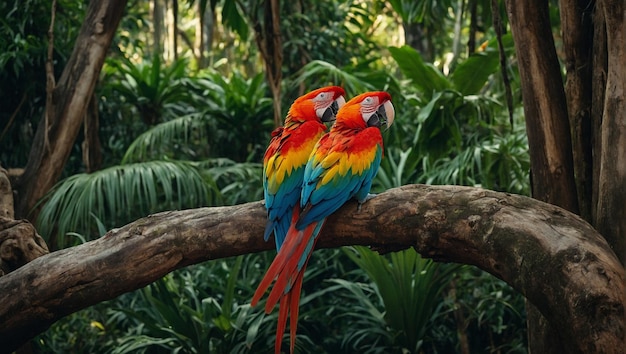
(6, 195)
(545, 107)
(19, 241)
(92, 149)
(598, 87)
(548, 129)
(553, 257)
(577, 30)
(70, 99)
(610, 211)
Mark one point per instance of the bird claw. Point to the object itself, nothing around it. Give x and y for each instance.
(368, 197)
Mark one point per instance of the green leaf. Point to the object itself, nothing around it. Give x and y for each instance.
(471, 74)
(410, 288)
(233, 19)
(424, 76)
(321, 73)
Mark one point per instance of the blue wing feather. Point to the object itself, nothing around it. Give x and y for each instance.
(362, 193)
(280, 206)
(319, 201)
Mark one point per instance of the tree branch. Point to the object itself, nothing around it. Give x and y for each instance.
(553, 257)
(57, 132)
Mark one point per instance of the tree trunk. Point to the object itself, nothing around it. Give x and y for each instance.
(198, 46)
(577, 29)
(269, 40)
(549, 138)
(158, 20)
(611, 210)
(417, 37)
(56, 135)
(175, 29)
(209, 32)
(545, 107)
(598, 87)
(553, 257)
(473, 26)
(92, 149)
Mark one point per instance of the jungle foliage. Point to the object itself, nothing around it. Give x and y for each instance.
(189, 130)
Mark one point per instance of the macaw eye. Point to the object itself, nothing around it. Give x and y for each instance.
(321, 96)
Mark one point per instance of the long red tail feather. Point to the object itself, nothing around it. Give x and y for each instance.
(294, 307)
(279, 261)
(287, 279)
(276, 268)
(289, 271)
(283, 311)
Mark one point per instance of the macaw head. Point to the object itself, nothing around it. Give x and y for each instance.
(370, 109)
(321, 104)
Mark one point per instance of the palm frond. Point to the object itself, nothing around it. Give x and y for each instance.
(321, 73)
(238, 182)
(410, 288)
(111, 194)
(160, 140)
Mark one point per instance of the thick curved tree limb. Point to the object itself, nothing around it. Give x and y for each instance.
(559, 262)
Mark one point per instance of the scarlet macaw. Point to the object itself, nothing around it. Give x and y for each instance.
(288, 151)
(341, 166)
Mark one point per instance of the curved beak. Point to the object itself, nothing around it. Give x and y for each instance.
(330, 113)
(384, 115)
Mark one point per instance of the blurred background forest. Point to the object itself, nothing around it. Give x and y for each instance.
(184, 113)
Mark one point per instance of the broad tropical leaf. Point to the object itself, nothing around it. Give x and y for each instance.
(423, 75)
(472, 74)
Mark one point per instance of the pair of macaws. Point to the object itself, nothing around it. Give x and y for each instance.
(308, 174)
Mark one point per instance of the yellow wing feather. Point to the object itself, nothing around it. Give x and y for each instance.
(281, 166)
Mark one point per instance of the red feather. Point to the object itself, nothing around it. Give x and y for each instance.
(288, 281)
(282, 324)
(277, 264)
(294, 306)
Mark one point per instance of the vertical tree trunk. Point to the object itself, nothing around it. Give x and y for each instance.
(416, 36)
(158, 15)
(545, 107)
(175, 28)
(269, 41)
(611, 210)
(598, 86)
(92, 149)
(473, 27)
(198, 46)
(577, 29)
(456, 42)
(549, 139)
(204, 33)
(70, 98)
(208, 32)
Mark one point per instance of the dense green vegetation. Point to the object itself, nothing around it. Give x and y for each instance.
(188, 132)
